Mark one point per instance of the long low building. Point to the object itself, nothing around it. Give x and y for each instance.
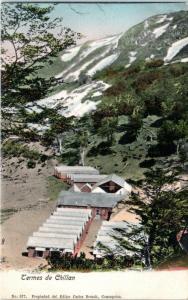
(100, 204)
(107, 241)
(63, 232)
(64, 172)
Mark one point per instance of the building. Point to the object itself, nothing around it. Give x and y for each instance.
(107, 242)
(65, 172)
(63, 232)
(112, 184)
(84, 182)
(100, 204)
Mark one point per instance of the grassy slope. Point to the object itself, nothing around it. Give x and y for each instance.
(55, 186)
(124, 157)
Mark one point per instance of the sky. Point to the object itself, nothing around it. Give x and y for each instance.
(96, 21)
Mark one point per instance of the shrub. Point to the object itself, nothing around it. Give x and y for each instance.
(154, 63)
(31, 164)
(147, 163)
(146, 79)
(81, 263)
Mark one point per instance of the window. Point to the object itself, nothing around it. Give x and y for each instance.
(39, 253)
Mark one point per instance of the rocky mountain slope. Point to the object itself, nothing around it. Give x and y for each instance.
(159, 37)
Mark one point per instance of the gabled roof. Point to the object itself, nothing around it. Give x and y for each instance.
(86, 185)
(113, 177)
(67, 198)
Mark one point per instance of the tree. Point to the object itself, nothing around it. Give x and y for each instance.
(173, 132)
(59, 126)
(30, 38)
(108, 127)
(83, 141)
(163, 212)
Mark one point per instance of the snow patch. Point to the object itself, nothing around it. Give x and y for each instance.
(160, 30)
(96, 94)
(162, 19)
(75, 74)
(38, 127)
(127, 66)
(112, 41)
(70, 53)
(74, 103)
(132, 58)
(184, 60)
(133, 53)
(144, 44)
(80, 109)
(175, 48)
(103, 63)
(71, 73)
(146, 25)
(52, 99)
(174, 27)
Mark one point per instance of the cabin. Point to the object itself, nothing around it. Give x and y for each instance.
(107, 244)
(63, 232)
(65, 172)
(100, 205)
(84, 182)
(85, 188)
(112, 184)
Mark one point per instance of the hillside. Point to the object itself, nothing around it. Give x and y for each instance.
(127, 93)
(76, 93)
(129, 130)
(158, 37)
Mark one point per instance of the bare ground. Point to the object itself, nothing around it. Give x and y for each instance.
(25, 205)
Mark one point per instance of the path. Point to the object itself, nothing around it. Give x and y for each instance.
(90, 238)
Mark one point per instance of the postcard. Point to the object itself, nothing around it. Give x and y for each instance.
(94, 167)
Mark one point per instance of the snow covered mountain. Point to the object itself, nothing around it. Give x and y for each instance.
(159, 37)
(89, 58)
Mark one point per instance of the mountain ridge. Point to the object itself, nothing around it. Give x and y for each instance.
(163, 36)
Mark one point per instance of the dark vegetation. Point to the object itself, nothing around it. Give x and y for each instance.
(29, 50)
(162, 212)
(142, 119)
(81, 263)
